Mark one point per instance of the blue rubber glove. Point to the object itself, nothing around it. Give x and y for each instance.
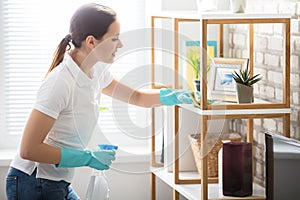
(171, 97)
(98, 159)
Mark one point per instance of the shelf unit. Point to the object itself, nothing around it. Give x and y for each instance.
(205, 188)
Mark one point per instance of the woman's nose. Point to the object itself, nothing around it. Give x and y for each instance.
(120, 45)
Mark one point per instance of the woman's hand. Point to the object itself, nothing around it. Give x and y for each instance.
(171, 97)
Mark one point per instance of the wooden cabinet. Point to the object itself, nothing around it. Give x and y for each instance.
(207, 188)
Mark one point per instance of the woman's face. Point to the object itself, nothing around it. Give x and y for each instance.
(107, 47)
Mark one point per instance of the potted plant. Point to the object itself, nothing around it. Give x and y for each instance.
(193, 58)
(244, 82)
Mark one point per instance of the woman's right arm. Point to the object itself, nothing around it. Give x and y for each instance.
(32, 143)
(33, 147)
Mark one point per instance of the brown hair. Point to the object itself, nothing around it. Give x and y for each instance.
(90, 19)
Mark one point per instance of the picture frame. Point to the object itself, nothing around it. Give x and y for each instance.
(221, 84)
(212, 51)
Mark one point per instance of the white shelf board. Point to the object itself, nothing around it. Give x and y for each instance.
(193, 191)
(221, 15)
(192, 108)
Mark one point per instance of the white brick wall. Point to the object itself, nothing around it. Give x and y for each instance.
(288, 7)
(271, 60)
(259, 58)
(295, 63)
(269, 63)
(265, 29)
(278, 94)
(295, 28)
(278, 29)
(270, 124)
(275, 77)
(260, 42)
(239, 39)
(275, 43)
(298, 8)
(295, 98)
(295, 80)
(295, 43)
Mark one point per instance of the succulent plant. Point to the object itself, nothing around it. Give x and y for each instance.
(245, 78)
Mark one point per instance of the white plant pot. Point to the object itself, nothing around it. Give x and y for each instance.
(238, 6)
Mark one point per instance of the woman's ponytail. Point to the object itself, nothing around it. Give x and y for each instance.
(59, 53)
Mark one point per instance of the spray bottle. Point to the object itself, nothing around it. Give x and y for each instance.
(98, 188)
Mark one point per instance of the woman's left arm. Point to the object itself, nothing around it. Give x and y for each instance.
(144, 98)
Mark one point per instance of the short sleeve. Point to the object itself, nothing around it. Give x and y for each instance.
(52, 96)
(106, 79)
(104, 75)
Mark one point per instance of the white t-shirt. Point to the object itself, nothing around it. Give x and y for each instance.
(73, 99)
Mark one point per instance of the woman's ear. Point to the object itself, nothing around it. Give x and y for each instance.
(90, 41)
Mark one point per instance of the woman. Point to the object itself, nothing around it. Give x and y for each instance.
(66, 110)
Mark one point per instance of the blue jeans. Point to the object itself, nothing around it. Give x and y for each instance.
(21, 186)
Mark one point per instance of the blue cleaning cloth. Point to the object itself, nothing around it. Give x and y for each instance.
(108, 147)
(170, 97)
